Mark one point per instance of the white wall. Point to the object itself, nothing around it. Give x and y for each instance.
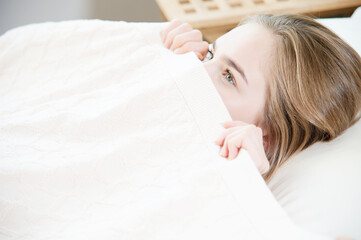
(15, 13)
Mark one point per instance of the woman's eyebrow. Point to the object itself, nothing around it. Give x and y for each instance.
(232, 63)
(237, 67)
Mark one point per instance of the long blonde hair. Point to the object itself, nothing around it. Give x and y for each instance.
(314, 86)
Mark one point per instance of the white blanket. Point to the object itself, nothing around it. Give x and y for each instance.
(105, 134)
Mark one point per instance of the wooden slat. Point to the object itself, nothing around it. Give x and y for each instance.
(217, 14)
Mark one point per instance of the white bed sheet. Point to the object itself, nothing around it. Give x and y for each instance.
(105, 134)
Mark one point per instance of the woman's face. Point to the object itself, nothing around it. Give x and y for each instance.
(240, 57)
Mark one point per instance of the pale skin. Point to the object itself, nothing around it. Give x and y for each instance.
(236, 71)
(243, 92)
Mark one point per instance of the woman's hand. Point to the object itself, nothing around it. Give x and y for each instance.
(181, 38)
(249, 137)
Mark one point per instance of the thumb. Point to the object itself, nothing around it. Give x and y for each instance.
(265, 167)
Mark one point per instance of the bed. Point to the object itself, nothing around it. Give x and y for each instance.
(104, 136)
(323, 192)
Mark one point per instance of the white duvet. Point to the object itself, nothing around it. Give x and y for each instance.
(105, 134)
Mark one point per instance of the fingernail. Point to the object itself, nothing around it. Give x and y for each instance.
(177, 51)
(199, 56)
(223, 153)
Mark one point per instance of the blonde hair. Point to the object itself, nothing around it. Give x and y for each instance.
(314, 86)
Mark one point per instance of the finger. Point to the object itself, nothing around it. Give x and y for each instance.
(199, 56)
(232, 151)
(220, 140)
(191, 36)
(265, 168)
(262, 165)
(184, 27)
(199, 48)
(172, 25)
(224, 151)
(234, 142)
(223, 135)
(229, 124)
(225, 148)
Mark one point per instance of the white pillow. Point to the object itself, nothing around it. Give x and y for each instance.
(320, 188)
(349, 29)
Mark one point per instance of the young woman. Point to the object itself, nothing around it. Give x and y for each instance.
(286, 80)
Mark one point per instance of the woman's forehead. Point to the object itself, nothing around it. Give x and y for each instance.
(247, 34)
(251, 45)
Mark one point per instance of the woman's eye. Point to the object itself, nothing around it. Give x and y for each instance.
(229, 77)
